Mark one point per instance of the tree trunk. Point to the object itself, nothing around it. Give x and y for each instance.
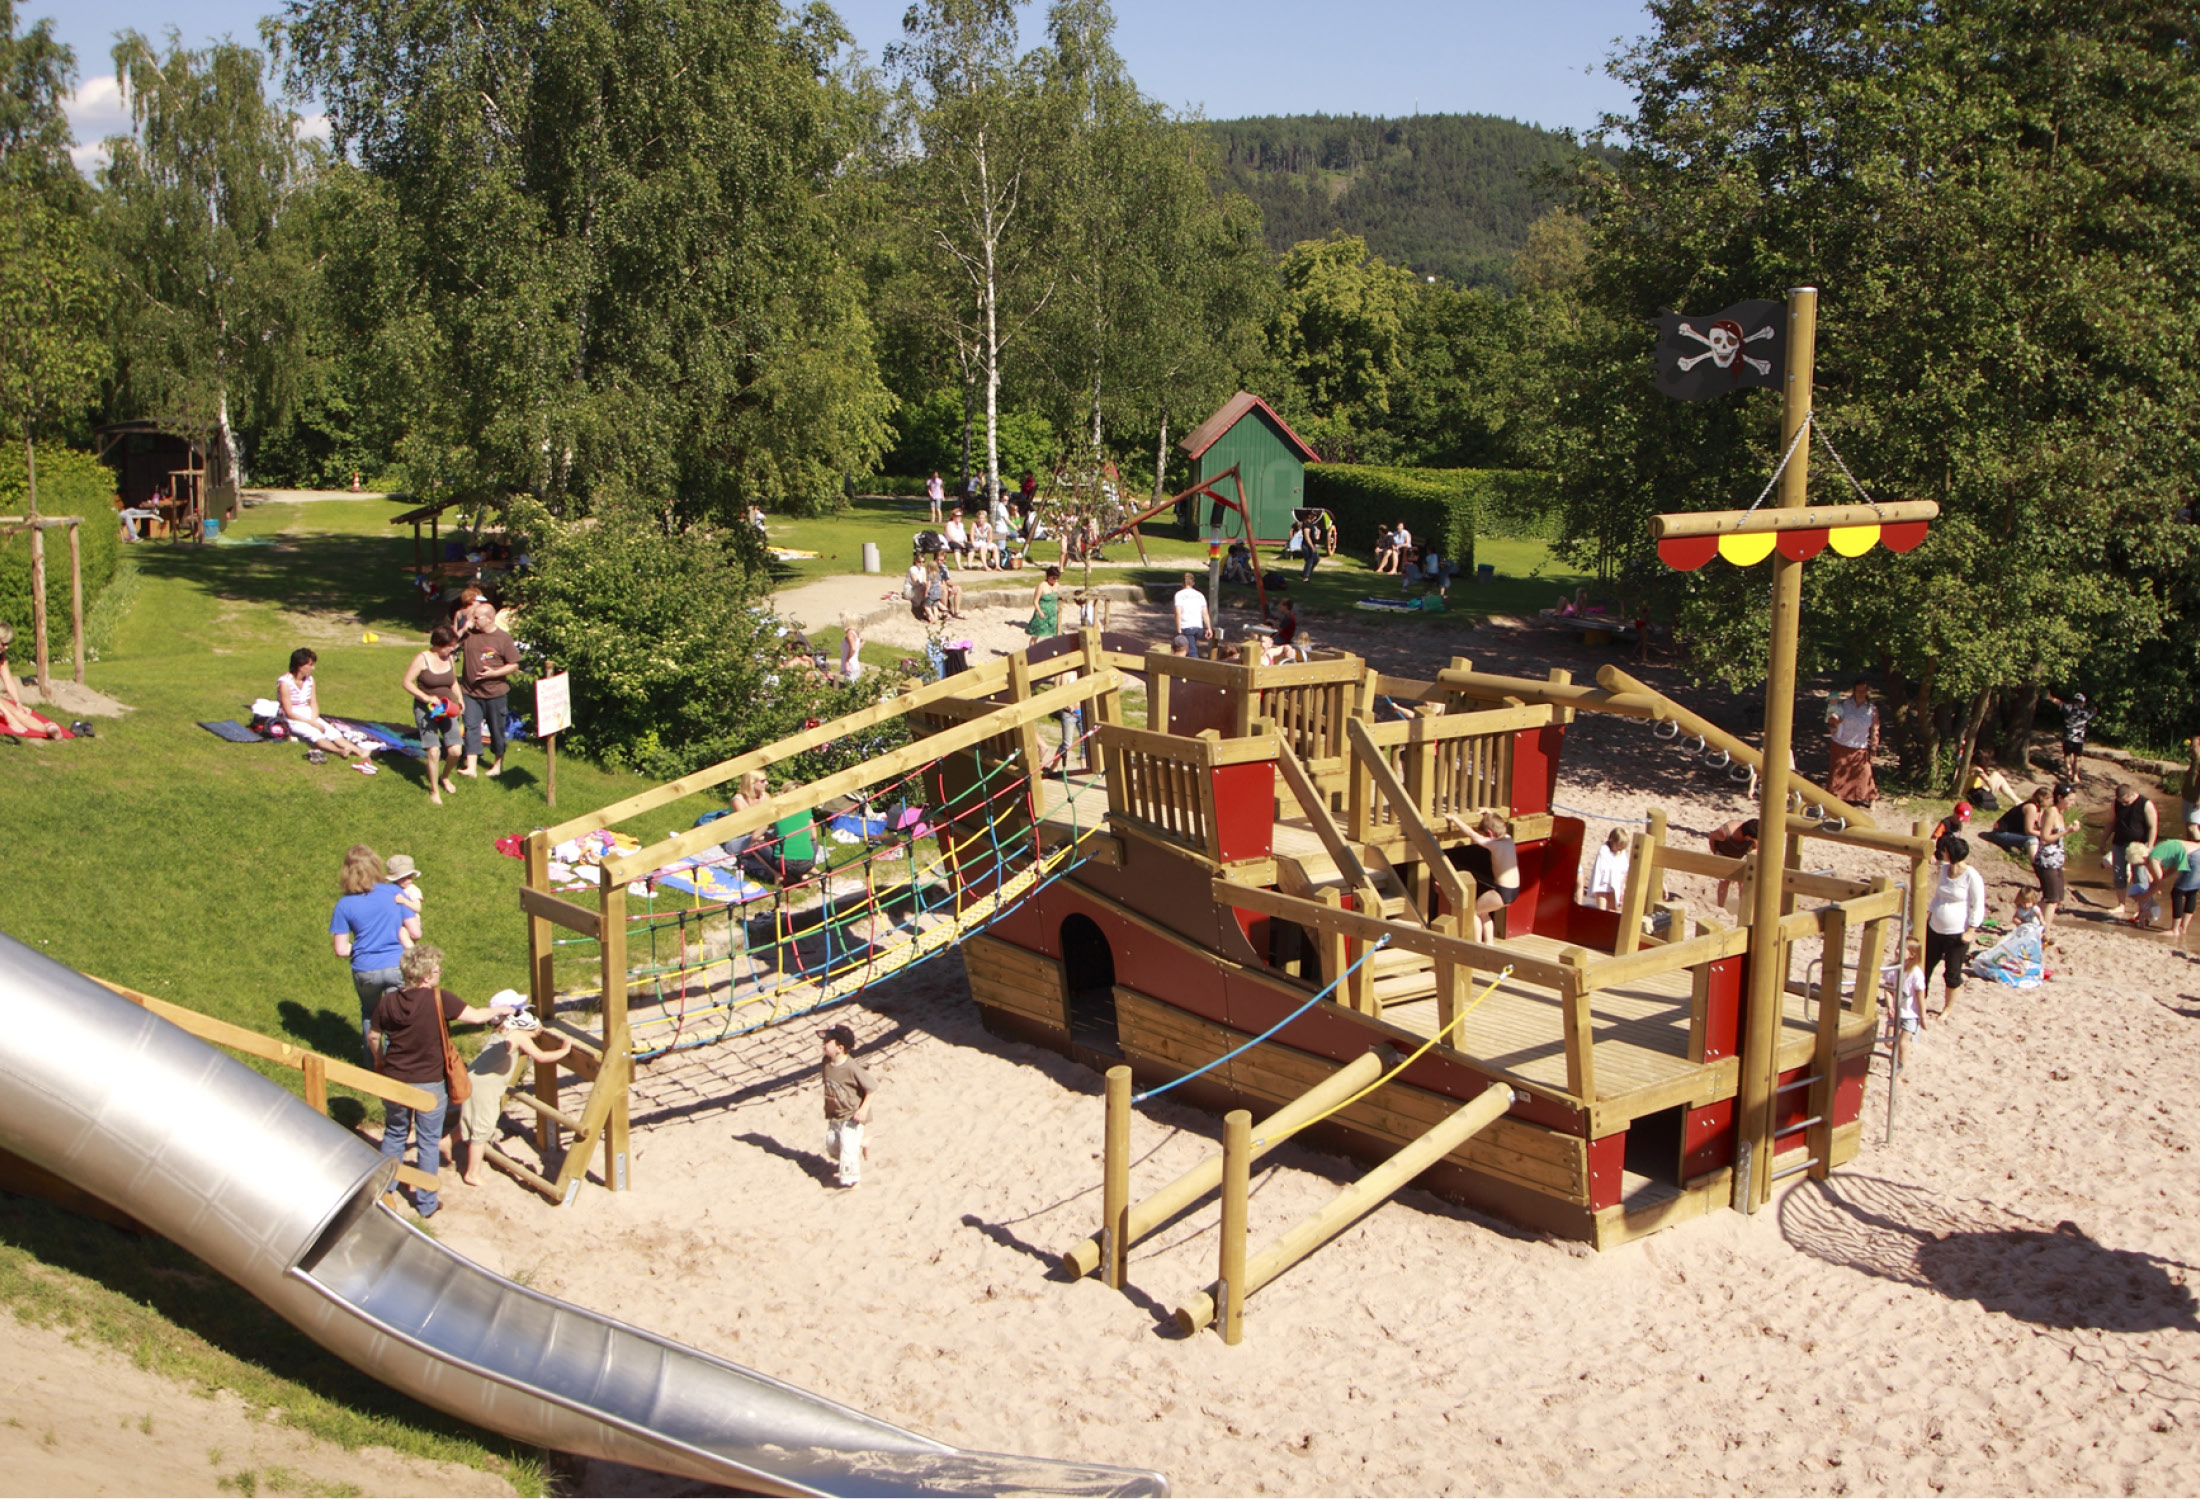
(2014, 743)
(1967, 747)
(992, 330)
(38, 564)
(232, 454)
(1161, 459)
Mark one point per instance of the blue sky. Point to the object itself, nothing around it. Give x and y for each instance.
(1542, 62)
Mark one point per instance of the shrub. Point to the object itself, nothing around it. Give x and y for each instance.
(1453, 505)
(674, 650)
(69, 484)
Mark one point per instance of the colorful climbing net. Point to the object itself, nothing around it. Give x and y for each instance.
(807, 913)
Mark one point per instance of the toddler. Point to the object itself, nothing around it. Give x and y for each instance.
(1910, 1003)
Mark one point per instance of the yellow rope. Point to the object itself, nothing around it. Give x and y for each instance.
(1502, 976)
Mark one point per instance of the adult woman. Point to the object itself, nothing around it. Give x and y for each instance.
(301, 706)
(983, 548)
(1855, 721)
(1608, 876)
(2018, 830)
(2172, 863)
(923, 592)
(1958, 906)
(519, 1040)
(1990, 788)
(1734, 839)
(935, 495)
(1493, 836)
(2051, 853)
(14, 717)
(1387, 547)
(370, 927)
(405, 1037)
(438, 712)
(1046, 606)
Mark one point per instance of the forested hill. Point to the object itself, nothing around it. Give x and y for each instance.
(1448, 195)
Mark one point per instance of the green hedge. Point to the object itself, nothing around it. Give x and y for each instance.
(69, 484)
(1455, 505)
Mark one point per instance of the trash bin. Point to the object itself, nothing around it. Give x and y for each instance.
(1485, 572)
(870, 557)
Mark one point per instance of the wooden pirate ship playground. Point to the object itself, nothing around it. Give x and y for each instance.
(1255, 873)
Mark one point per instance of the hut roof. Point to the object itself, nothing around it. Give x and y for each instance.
(1227, 415)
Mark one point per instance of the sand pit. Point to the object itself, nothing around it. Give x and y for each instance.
(1993, 1301)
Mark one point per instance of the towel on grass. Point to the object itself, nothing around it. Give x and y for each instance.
(232, 731)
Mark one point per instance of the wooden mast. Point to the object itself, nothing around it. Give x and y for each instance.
(1767, 972)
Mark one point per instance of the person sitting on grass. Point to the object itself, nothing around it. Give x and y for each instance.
(519, 1040)
(1990, 789)
(300, 698)
(1388, 545)
(14, 717)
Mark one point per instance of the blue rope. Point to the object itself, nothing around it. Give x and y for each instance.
(1319, 996)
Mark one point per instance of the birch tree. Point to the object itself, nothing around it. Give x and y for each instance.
(979, 149)
(211, 292)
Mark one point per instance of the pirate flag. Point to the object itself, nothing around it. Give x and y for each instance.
(1741, 346)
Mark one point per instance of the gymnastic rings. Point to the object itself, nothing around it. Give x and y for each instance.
(1693, 747)
(1666, 729)
(1833, 825)
(1817, 811)
(1795, 802)
(1718, 760)
(1740, 774)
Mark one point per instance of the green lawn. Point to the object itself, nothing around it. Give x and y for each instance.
(165, 859)
(1528, 578)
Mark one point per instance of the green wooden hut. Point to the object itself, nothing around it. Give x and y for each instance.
(1271, 459)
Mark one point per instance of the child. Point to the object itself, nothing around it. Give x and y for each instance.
(405, 875)
(2141, 887)
(848, 1092)
(2028, 910)
(1608, 876)
(519, 1038)
(1910, 1004)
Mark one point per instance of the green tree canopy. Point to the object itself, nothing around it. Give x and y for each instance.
(611, 225)
(1994, 197)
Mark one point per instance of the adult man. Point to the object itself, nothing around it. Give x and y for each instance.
(2076, 718)
(490, 656)
(848, 1091)
(2135, 821)
(1192, 623)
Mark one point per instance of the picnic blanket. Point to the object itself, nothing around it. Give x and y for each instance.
(52, 731)
(1434, 602)
(713, 883)
(2015, 961)
(232, 731)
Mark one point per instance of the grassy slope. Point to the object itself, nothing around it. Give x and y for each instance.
(161, 857)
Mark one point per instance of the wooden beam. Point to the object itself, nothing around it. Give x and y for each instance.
(1316, 808)
(1485, 956)
(880, 768)
(1884, 840)
(1578, 1018)
(1680, 953)
(978, 679)
(571, 915)
(1475, 722)
(1812, 518)
(1425, 843)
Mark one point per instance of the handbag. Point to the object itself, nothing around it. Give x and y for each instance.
(458, 1084)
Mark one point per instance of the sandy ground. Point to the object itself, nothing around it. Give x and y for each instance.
(1992, 1301)
(81, 1420)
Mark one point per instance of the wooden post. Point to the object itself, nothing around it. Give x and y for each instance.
(616, 1042)
(38, 568)
(542, 990)
(1871, 955)
(1452, 981)
(1027, 733)
(1157, 697)
(1833, 929)
(1921, 872)
(1237, 1172)
(1794, 862)
(1580, 1026)
(1760, 1038)
(1115, 1179)
(1157, 1208)
(550, 769)
(1642, 871)
(315, 1067)
(1310, 1233)
(76, 598)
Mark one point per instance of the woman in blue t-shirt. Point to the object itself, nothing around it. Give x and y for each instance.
(371, 928)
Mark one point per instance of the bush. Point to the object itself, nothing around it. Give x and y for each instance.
(928, 436)
(674, 650)
(1454, 505)
(69, 484)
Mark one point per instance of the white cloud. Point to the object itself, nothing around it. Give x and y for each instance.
(95, 112)
(314, 126)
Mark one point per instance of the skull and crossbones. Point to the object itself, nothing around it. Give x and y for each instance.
(1723, 344)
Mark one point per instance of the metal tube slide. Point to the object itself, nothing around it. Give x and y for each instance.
(285, 1202)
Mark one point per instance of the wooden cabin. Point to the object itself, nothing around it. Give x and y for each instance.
(1275, 835)
(1245, 433)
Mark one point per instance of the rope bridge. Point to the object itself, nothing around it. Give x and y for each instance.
(928, 876)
